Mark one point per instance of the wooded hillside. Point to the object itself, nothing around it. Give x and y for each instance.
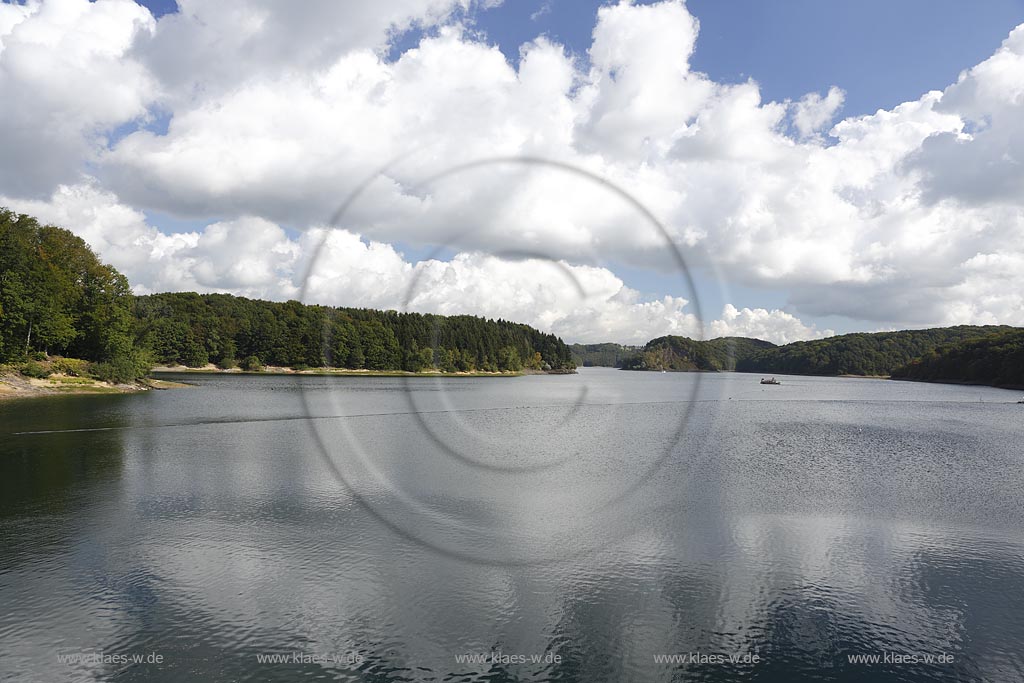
(58, 299)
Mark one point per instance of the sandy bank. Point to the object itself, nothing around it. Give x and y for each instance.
(14, 385)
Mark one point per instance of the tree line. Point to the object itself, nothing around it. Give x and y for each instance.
(196, 329)
(876, 353)
(58, 299)
(684, 354)
(924, 354)
(996, 359)
(607, 354)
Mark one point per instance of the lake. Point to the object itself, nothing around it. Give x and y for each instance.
(605, 526)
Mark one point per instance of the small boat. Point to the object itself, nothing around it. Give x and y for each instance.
(770, 381)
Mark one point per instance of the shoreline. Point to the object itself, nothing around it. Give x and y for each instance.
(16, 386)
(211, 369)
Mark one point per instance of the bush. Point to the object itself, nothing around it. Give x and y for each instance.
(37, 355)
(35, 370)
(252, 364)
(124, 368)
(300, 367)
(227, 364)
(72, 367)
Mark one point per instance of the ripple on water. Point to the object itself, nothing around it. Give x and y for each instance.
(823, 520)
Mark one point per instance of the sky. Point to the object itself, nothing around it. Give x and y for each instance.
(784, 170)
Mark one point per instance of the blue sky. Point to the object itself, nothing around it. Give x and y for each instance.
(879, 51)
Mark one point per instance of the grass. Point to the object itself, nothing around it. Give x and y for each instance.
(88, 389)
(72, 380)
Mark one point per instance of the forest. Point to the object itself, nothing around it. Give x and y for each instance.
(920, 354)
(58, 299)
(861, 353)
(995, 359)
(196, 329)
(608, 354)
(685, 354)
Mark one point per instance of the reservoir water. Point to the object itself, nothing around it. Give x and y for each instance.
(605, 526)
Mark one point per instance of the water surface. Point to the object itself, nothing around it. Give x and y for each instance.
(381, 529)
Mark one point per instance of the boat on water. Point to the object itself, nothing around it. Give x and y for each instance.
(770, 381)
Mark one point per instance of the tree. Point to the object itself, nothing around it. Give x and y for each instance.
(356, 357)
(57, 297)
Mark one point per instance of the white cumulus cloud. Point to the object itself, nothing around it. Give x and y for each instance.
(774, 326)
(908, 216)
(813, 112)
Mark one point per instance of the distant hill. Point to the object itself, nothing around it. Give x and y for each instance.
(988, 350)
(996, 359)
(878, 353)
(607, 355)
(685, 354)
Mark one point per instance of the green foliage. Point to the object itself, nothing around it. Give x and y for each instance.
(227, 363)
(125, 367)
(356, 359)
(193, 353)
(73, 367)
(252, 364)
(605, 355)
(996, 359)
(685, 354)
(56, 296)
(35, 370)
(509, 359)
(197, 328)
(878, 353)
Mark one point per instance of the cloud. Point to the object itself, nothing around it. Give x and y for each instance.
(67, 78)
(209, 48)
(118, 233)
(906, 216)
(774, 326)
(253, 257)
(984, 163)
(813, 112)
